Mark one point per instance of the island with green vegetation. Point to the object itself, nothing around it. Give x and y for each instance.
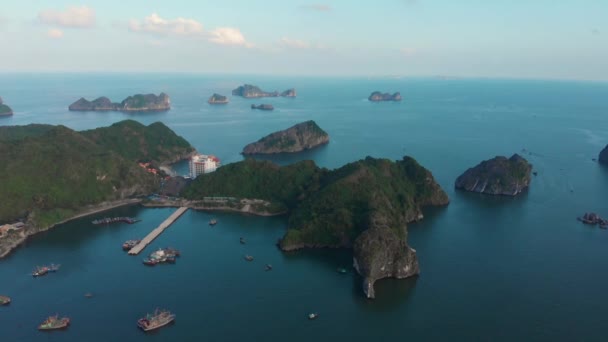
(382, 97)
(4, 109)
(263, 107)
(252, 91)
(364, 206)
(603, 157)
(217, 99)
(51, 173)
(300, 137)
(497, 176)
(135, 103)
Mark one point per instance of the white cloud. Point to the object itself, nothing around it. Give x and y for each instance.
(294, 43)
(54, 33)
(156, 25)
(318, 7)
(74, 17)
(228, 36)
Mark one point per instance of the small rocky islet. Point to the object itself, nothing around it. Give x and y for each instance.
(252, 91)
(4, 109)
(497, 176)
(135, 103)
(217, 99)
(300, 137)
(383, 97)
(263, 107)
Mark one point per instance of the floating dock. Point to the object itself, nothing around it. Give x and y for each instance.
(156, 232)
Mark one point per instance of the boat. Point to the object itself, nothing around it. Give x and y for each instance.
(172, 252)
(242, 241)
(341, 270)
(127, 245)
(40, 271)
(4, 300)
(150, 262)
(109, 220)
(54, 323)
(248, 258)
(313, 315)
(159, 319)
(213, 222)
(268, 267)
(88, 295)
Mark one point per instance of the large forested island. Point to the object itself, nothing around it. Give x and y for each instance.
(135, 103)
(297, 138)
(52, 173)
(363, 205)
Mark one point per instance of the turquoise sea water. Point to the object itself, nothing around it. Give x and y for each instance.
(492, 269)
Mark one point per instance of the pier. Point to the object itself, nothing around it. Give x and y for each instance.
(157, 231)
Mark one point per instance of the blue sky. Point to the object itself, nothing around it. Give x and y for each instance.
(468, 38)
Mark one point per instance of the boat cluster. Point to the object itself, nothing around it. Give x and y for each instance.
(594, 219)
(110, 220)
(127, 245)
(44, 270)
(161, 256)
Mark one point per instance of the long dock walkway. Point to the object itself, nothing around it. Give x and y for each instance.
(157, 231)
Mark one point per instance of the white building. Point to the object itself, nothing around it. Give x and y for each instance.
(201, 163)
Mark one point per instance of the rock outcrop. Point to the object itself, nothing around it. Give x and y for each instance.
(263, 107)
(497, 176)
(289, 93)
(217, 99)
(379, 97)
(252, 91)
(4, 109)
(603, 158)
(135, 103)
(303, 136)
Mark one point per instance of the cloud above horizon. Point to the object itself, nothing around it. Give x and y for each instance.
(184, 27)
(294, 43)
(54, 33)
(72, 17)
(317, 7)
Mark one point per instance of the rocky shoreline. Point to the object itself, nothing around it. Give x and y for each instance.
(242, 206)
(15, 239)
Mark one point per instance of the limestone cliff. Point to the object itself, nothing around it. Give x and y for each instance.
(497, 176)
(379, 97)
(303, 136)
(603, 158)
(135, 103)
(217, 99)
(252, 91)
(4, 109)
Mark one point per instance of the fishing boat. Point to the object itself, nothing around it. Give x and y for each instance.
(127, 245)
(313, 315)
(248, 258)
(40, 271)
(213, 222)
(159, 319)
(268, 267)
(172, 252)
(242, 241)
(54, 323)
(88, 295)
(4, 300)
(341, 270)
(150, 262)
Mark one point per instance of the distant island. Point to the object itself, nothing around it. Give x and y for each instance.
(300, 137)
(217, 99)
(252, 91)
(497, 176)
(135, 103)
(379, 97)
(364, 205)
(263, 107)
(4, 109)
(63, 173)
(603, 158)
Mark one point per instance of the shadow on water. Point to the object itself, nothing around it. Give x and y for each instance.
(488, 201)
(391, 293)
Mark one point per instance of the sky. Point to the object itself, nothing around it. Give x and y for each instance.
(543, 39)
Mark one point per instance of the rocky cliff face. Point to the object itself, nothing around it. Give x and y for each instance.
(135, 103)
(289, 93)
(303, 136)
(378, 97)
(603, 158)
(497, 176)
(217, 99)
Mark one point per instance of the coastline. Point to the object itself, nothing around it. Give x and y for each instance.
(248, 206)
(90, 210)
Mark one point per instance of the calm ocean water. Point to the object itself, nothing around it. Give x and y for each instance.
(492, 269)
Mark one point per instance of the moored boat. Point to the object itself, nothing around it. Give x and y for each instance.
(127, 245)
(54, 323)
(150, 262)
(159, 319)
(313, 315)
(213, 222)
(248, 258)
(4, 300)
